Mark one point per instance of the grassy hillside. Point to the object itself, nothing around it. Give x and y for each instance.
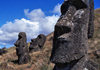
(94, 43)
(40, 59)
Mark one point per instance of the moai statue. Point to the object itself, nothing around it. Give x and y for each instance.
(37, 43)
(41, 40)
(33, 45)
(22, 49)
(70, 43)
(3, 51)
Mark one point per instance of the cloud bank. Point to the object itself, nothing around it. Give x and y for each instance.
(36, 23)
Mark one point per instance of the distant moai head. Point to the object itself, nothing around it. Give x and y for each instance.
(21, 39)
(3, 51)
(33, 45)
(22, 35)
(20, 43)
(37, 43)
(22, 50)
(41, 40)
(34, 42)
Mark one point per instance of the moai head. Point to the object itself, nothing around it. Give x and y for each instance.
(70, 35)
(3, 51)
(22, 49)
(41, 40)
(34, 42)
(33, 45)
(21, 39)
(22, 36)
(37, 43)
(20, 43)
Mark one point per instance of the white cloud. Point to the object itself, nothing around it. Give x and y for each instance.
(36, 23)
(34, 15)
(47, 24)
(57, 9)
(9, 31)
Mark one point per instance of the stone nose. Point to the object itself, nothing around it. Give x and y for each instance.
(65, 37)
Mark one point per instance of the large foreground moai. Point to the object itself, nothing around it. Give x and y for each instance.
(72, 31)
(22, 50)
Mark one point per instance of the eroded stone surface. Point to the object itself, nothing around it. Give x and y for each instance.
(37, 43)
(70, 35)
(2, 51)
(72, 31)
(22, 49)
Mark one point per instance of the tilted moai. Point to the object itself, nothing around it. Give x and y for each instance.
(22, 50)
(37, 43)
(72, 31)
(33, 45)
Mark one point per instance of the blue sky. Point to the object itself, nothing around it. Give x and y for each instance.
(12, 9)
(18, 15)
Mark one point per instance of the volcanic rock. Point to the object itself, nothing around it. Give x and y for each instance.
(2, 51)
(22, 49)
(72, 31)
(37, 43)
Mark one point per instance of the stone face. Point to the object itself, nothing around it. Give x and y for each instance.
(22, 49)
(37, 43)
(2, 51)
(70, 36)
(70, 43)
(33, 45)
(41, 40)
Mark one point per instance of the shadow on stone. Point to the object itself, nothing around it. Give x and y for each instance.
(15, 61)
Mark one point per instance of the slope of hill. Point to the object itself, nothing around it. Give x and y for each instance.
(40, 59)
(94, 43)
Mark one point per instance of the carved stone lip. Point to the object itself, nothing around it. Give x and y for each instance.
(62, 65)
